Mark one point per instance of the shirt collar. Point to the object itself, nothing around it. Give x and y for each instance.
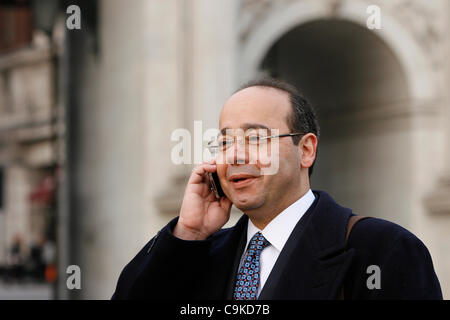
(280, 228)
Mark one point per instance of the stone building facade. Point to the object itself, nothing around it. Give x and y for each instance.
(381, 95)
(30, 138)
(382, 98)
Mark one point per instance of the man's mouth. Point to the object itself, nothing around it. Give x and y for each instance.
(241, 180)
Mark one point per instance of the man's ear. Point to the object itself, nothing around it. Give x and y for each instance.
(308, 145)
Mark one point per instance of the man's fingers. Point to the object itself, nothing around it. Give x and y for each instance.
(210, 161)
(199, 172)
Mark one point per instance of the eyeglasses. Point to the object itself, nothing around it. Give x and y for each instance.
(225, 142)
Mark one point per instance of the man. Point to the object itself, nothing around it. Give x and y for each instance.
(291, 241)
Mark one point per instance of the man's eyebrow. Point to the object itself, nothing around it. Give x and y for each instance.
(247, 126)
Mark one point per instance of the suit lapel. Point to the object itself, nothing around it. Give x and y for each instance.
(225, 260)
(313, 263)
(235, 267)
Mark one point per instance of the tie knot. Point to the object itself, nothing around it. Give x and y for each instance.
(258, 241)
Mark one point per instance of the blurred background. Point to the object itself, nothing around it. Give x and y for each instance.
(88, 104)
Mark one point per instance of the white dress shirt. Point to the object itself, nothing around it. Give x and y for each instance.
(277, 233)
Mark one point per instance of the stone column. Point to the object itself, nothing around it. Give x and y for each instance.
(126, 109)
(207, 49)
(438, 202)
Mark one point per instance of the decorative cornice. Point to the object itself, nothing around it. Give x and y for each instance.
(426, 23)
(378, 113)
(28, 56)
(169, 202)
(438, 202)
(251, 12)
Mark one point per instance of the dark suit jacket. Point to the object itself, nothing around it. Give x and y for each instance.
(315, 263)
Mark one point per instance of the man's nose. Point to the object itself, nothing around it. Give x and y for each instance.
(237, 154)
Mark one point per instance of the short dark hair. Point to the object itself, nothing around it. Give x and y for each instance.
(303, 116)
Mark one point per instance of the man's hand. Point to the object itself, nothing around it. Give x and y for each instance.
(201, 213)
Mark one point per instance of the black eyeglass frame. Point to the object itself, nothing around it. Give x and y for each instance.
(292, 134)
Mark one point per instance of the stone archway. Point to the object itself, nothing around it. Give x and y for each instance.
(261, 31)
(365, 86)
(361, 96)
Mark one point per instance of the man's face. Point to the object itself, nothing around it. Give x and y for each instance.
(240, 177)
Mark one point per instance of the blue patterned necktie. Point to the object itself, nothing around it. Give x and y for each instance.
(247, 281)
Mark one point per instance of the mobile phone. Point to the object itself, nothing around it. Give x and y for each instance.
(215, 185)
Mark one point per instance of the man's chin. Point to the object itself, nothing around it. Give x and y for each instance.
(245, 204)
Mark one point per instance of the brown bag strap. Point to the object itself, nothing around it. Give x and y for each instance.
(351, 223)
